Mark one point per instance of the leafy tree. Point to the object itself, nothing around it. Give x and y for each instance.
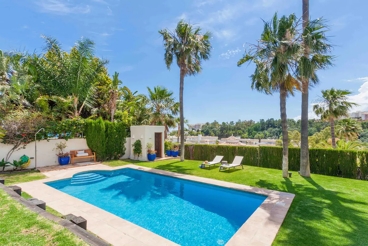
(189, 46)
(348, 129)
(274, 58)
(163, 107)
(19, 127)
(334, 104)
(114, 94)
(350, 145)
(68, 74)
(294, 137)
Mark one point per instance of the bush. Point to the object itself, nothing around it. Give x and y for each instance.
(105, 138)
(330, 162)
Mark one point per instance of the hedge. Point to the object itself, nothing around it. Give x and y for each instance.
(105, 138)
(343, 163)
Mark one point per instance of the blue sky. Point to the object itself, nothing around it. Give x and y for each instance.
(126, 34)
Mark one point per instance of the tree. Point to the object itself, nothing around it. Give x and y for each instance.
(163, 107)
(348, 129)
(274, 58)
(189, 47)
(334, 104)
(315, 48)
(114, 94)
(68, 74)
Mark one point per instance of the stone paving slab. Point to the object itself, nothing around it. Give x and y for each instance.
(260, 229)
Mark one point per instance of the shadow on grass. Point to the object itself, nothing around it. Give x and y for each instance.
(175, 168)
(314, 205)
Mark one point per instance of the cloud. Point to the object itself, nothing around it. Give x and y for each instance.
(362, 97)
(125, 69)
(62, 7)
(109, 11)
(230, 53)
(102, 34)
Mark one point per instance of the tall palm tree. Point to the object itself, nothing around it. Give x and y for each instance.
(304, 147)
(163, 107)
(334, 104)
(114, 94)
(348, 129)
(189, 46)
(274, 58)
(316, 47)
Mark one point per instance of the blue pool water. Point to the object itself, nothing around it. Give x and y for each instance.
(185, 212)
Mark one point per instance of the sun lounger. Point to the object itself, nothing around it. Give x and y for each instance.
(236, 162)
(215, 161)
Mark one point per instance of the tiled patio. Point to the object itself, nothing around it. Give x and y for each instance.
(260, 229)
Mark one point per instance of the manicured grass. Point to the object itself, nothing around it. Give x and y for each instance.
(21, 176)
(48, 209)
(122, 162)
(325, 211)
(20, 226)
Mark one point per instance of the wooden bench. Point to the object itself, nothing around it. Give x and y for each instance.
(73, 155)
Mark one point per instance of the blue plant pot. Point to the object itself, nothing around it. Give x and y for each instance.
(151, 157)
(168, 152)
(174, 153)
(64, 160)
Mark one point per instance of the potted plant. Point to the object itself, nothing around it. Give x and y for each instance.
(151, 153)
(175, 150)
(168, 146)
(63, 158)
(137, 148)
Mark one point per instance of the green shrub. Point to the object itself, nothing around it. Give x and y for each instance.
(330, 162)
(105, 138)
(137, 147)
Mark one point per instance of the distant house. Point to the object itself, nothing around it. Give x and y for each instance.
(359, 115)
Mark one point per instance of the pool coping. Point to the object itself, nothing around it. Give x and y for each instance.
(260, 229)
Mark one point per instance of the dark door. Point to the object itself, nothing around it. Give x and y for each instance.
(158, 144)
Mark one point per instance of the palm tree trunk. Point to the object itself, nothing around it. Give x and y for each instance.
(75, 105)
(333, 139)
(285, 140)
(182, 74)
(304, 148)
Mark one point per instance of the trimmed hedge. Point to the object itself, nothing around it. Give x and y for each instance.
(105, 138)
(343, 163)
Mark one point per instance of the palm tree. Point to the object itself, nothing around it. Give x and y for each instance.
(334, 104)
(68, 74)
(163, 107)
(189, 47)
(274, 58)
(348, 129)
(315, 47)
(114, 94)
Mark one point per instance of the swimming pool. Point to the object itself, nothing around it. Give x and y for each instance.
(185, 212)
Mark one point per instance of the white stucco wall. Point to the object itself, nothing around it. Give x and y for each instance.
(128, 146)
(46, 155)
(146, 134)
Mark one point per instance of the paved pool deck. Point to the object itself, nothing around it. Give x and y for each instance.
(260, 229)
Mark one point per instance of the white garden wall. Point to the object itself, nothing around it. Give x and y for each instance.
(46, 155)
(147, 135)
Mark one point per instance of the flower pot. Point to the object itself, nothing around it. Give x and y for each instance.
(64, 160)
(151, 157)
(174, 153)
(168, 152)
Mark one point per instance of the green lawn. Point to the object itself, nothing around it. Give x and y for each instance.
(20, 226)
(20, 176)
(325, 211)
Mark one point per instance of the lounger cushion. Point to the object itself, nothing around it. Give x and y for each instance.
(80, 151)
(82, 154)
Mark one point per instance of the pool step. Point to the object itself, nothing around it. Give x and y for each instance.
(86, 178)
